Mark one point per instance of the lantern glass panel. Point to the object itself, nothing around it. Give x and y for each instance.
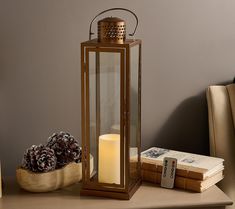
(109, 93)
(92, 109)
(134, 112)
(105, 116)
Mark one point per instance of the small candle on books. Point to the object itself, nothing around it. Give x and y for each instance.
(109, 159)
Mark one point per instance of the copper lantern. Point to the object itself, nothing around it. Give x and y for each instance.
(111, 110)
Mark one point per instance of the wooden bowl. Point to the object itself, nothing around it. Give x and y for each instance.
(50, 181)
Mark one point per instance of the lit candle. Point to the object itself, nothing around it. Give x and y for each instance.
(109, 159)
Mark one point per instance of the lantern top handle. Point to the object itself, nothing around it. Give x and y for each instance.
(111, 9)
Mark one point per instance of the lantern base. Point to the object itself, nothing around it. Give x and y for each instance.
(109, 194)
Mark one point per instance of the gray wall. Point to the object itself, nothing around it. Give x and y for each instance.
(187, 45)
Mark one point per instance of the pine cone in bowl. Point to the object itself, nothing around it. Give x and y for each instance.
(66, 148)
(39, 158)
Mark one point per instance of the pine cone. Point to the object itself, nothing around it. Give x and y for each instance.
(66, 148)
(39, 159)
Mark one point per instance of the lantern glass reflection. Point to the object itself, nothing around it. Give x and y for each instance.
(104, 96)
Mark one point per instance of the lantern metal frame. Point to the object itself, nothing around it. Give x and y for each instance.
(125, 190)
(129, 180)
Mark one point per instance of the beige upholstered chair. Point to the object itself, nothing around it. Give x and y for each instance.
(221, 112)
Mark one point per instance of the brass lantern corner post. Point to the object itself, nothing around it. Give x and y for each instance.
(111, 110)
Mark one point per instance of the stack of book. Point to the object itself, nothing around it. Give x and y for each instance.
(194, 172)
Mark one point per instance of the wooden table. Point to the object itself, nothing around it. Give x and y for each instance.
(148, 196)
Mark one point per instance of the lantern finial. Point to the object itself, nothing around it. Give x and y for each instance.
(112, 29)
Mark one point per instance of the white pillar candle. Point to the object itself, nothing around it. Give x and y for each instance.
(109, 159)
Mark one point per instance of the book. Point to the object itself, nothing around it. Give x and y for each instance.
(182, 182)
(189, 165)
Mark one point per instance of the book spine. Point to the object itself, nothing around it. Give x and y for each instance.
(180, 182)
(179, 172)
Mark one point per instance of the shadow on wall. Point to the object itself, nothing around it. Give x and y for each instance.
(187, 127)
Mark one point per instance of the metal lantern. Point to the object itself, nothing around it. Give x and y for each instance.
(111, 110)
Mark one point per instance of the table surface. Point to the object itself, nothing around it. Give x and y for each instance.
(147, 196)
